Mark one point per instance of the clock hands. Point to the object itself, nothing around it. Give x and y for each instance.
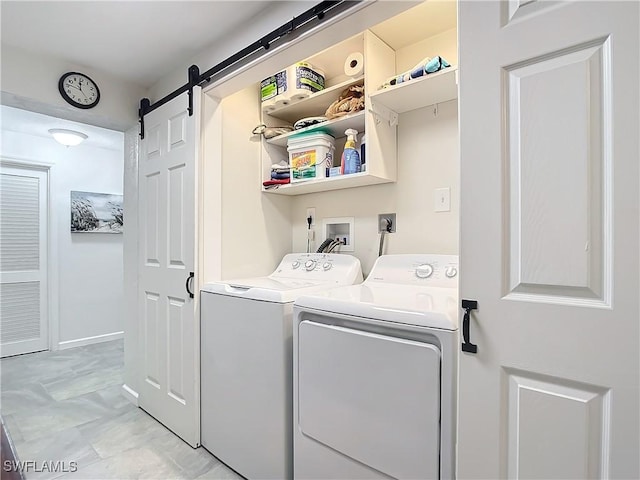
(77, 88)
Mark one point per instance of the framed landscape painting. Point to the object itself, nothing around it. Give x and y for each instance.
(96, 212)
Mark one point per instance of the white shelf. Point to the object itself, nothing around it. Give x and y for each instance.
(334, 127)
(314, 105)
(327, 184)
(421, 92)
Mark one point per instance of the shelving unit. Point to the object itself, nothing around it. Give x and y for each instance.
(380, 148)
(428, 90)
(328, 184)
(378, 120)
(335, 128)
(313, 104)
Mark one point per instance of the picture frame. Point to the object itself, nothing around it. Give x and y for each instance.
(96, 212)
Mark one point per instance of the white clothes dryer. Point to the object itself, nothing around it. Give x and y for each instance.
(246, 361)
(375, 370)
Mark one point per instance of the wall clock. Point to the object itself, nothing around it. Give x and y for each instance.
(79, 90)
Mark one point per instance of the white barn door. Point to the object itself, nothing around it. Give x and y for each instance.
(549, 239)
(24, 224)
(169, 326)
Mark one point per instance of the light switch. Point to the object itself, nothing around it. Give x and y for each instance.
(442, 200)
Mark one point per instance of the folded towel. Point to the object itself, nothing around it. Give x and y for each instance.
(435, 64)
(280, 176)
(276, 182)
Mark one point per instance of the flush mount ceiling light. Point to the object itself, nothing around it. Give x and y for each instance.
(68, 138)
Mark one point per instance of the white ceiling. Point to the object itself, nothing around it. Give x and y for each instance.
(23, 121)
(140, 41)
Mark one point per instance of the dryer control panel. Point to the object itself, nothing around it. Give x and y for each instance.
(421, 269)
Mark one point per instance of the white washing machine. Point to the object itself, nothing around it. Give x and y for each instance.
(246, 361)
(375, 374)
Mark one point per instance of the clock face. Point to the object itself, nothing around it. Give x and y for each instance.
(79, 90)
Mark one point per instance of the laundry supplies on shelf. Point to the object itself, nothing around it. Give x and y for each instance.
(310, 155)
(424, 67)
(270, 132)
(350, 157)
(272, 89)
(306, 79)
(296, 83)
(308, 121)
(350, 100)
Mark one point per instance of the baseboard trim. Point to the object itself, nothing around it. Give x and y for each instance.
(130, 394)
(81, 342)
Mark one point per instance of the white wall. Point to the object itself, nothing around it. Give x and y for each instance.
(444, 44)
(90, 277)
(130, 260)
(30, 81)
(428, 158)
(255, 227)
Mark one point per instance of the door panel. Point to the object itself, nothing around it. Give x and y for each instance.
(151, 222)
(23, 261)
(176, 219)
(555, 420)
(170, 338)
(550, 177)
(557, 113)
(151, 339)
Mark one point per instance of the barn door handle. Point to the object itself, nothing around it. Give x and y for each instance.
(467, 346)
(186, 284)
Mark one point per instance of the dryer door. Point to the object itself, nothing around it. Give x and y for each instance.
(373, 398)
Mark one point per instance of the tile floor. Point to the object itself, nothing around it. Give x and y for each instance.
(67, 406)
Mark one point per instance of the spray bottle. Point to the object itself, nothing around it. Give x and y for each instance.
(350, 157)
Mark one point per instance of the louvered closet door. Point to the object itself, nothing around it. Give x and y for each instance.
(23, 261)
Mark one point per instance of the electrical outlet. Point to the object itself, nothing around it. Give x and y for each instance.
(442, 200)
(383, 218)
(311, 212)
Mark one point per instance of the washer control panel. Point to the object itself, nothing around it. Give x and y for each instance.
(331, 267)
(428, 270)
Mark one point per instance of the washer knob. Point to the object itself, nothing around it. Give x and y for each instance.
(451, 272)
(327, 266)
(295, 264)
(310, 265)
(424, 271)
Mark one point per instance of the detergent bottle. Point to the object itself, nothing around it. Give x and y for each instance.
(350, 157)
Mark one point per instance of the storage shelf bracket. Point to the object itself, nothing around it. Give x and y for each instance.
(381, 112)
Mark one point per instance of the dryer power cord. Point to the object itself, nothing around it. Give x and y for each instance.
(309, 222)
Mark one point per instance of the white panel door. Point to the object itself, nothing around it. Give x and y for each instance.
(23, 261)
(169, 327)
(549, 239)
